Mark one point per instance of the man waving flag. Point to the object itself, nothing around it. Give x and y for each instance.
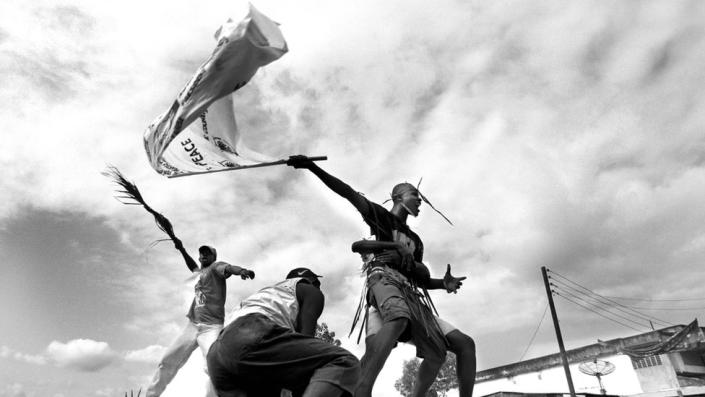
(198, 133)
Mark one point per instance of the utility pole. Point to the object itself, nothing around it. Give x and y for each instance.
(557, 327)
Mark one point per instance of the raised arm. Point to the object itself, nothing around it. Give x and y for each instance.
(311, 303)
(341, 188)
(192, 266)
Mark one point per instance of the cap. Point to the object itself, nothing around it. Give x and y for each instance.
(206, 249)
(302, 272)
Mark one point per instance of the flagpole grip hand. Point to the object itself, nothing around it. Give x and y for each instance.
(178, 244)
(301, 161)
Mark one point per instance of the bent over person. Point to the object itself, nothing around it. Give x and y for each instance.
(397, 306)
(270, 346)
(206, 315)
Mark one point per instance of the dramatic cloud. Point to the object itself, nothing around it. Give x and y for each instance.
(81, 354)
(566, 135)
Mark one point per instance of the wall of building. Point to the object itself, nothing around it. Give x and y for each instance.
(623, 381)
(656, 373)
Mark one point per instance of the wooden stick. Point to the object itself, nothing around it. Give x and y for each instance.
(278, 162)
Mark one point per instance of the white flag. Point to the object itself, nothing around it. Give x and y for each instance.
(198, 133)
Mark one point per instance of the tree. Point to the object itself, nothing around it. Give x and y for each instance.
(323, 333)
(446, 379)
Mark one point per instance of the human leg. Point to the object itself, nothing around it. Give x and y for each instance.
(377, 348)
(337, 378)
(207, 334)
(307, 366)
(428, 370)
(431, 364)
(233, 393)
(388, 318)
(464, 348)
(254, 354)
(174, 358)
(222, 360)
(323, 389)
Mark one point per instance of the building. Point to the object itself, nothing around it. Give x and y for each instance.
(665, 362)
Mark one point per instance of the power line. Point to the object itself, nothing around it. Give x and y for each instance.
(601, 308)
(644, 315)
(635, 308)
(535, 332)
(630, 312)
(656, 300)
(668, 308)
(599, 314)
(598, 298)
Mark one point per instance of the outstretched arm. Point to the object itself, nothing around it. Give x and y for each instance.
(341, 188)
(448, 282)
(244, 274)
(226, 270)
(192, 266)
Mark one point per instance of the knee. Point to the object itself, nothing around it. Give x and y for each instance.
(433, 363)
(388, 334)
(374, 346)
(461, 343)
(469, 343)
(397, 326)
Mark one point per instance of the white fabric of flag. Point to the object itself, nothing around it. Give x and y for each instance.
(199, 133)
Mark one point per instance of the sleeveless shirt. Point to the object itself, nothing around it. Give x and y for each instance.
(277, 302)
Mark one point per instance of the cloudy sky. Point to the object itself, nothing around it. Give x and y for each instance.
(566, 135)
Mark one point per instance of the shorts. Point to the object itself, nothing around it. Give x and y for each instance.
(255, 356)
(391, 297)
(375, 321)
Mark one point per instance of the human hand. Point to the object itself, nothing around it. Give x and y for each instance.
(406, 258)
(452, 284)
(245, 274)
(299, 161)
(397, 257)
(388, 256)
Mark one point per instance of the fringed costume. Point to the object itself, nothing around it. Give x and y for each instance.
(394, 286)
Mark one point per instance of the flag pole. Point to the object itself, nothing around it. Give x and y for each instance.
(242, 167)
